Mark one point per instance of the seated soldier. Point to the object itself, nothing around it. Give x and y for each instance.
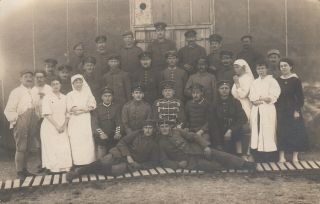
(138, 150)
(186, 150)
(136, 111)
(106, 122)
(197, 112)
(225, 71)
(228, 119)
(168, 107)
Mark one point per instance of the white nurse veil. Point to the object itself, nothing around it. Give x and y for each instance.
(242, 63)
(85, 87)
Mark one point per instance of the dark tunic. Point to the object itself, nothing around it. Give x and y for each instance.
(227, 114)
(158, 51)
(95, 85)
(134, 113)
(119, 82)
(186, 146)
(179, 76)
(76, 64)
(190, 55)
(171, 110)
(251, 56)
(225, 73)
(214, 61)
(66, 86)
(101, 66)
(150, 81)
(129, 59)
(291, 132)
(106, 118)
(143, 149)
(197, 115)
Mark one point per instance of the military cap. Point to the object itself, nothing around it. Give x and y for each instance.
(127, 32)
(171, 53)
(65, 67)
(167, 84)
(89, 59)
(163, 121)
(51, 61)
(113, 56)
(215, 37)
(197, 86)
(223, 82)
(101, 38)
(107, 90)
(160, 25)
(149, 122)
(77, 45)
(246, 36)
(41, 71)
(273, 51)
(226, 52)
(145, 54)
(190, 33)
(26, 71)
(137, 87)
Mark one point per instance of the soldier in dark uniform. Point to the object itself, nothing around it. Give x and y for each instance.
(175, 73)
(160, 46)
(118, 80)
(226, 71)
(197, 112)
(76, 58)
(50, 69)
(147, 77)
(129, 54)
(189, 54)
(136, 111)
(180, 149)
(249, 54)
(101, 56)
(106, 123)
(168, 107)
(138, 150)
(93, 81)
(214, 57)
(227, 120)
(64, 75)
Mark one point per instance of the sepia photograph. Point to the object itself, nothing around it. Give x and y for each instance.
(160, 101)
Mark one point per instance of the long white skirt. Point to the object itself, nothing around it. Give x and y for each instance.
(55, 148)
(263, 128)
(81, 139)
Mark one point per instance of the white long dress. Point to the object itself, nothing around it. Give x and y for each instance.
(55, 147)
(79, 127)
(264, 116)
(242, 92)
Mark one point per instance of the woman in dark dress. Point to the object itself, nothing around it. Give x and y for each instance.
(291, 130)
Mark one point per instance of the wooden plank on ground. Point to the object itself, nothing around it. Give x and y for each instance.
(136, 174)
(127, 175)
(84, 178)
(290, 166)
(27, 181)
(266, 166)
(56, 179)
(8, 184)
(259, 167)
(274, 166)
(161, 170)
(110, 177)
(64, 178)
(37, 181)
(317, 162)
(305, 165)
(76, 180)
(179, 171)
(47, 180)
(144, 173)
(282, 166)
(16, 183)
(297, 165)
(153, 172)
(92, 177)
(101, 177)
(169, 171)
(193, 171)
(231, 171)
(313, 164)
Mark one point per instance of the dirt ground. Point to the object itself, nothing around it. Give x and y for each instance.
(216, 188)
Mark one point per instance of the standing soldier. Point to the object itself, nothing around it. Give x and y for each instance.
(189, 54)
(175, 73)
(76, 58)
(147, 77)
(136, 111)
(160, 46)
(101, 56)
(50, 69)
(118, 80)
(20, 112)
(249, 54)
(274, 57)
(214, 58)
(169, 108)
(93, 81)
(129, 54)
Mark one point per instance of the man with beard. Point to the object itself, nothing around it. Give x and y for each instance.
(135, 151)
